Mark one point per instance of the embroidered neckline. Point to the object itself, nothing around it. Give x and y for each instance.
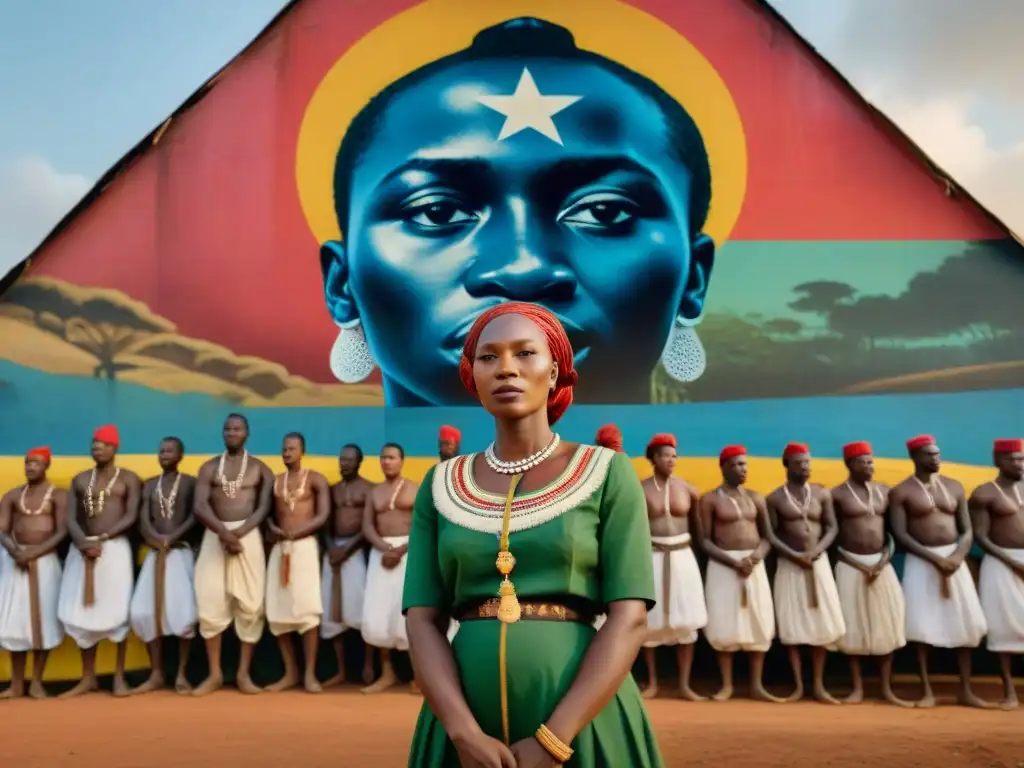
(461, 501)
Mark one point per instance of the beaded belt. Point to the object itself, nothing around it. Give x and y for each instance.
(488, 609)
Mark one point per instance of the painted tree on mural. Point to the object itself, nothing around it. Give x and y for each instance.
(956, 327)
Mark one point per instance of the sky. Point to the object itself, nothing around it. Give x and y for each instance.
(82, 82)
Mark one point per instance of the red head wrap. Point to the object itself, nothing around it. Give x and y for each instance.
(853, 450)
(662, 440)
(1008, 446)
(107, 434)
(609, 436)
(43, 452)
(449, 434)
(561, 352)
(729, 452)
(794, 448)
(919, 442)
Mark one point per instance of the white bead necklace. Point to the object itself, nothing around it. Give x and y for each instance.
(291, 497)
(42, 506)
(232, 487)
(869, 505)
(1006, 496)
(927, 488)
(804, 506)
(522, 465)
(95, 506)
(668, 482)
(166, 503)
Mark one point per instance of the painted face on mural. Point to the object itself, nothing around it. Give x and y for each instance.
(597, 217)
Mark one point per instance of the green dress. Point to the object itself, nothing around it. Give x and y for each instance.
(584, 535)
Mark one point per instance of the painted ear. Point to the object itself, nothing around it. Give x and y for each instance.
(554, 375)
(702, 261)
(338, 295)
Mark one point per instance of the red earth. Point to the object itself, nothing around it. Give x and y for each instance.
(344, 727)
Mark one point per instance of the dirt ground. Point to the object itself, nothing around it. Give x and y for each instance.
(346, 728)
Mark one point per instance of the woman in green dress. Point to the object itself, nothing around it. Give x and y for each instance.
(524, 544)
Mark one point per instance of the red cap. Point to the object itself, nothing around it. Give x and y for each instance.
(919, 442)
(1008, 446)
(662, 440)
(730, 451)
(449, 434)
(107, 434)
(43, 452)
(609, 436)
(853, 450)
(792, 448)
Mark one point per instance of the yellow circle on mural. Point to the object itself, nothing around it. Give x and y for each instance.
(437, 28)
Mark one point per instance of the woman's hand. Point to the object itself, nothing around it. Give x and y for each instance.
(481, 751)
(530, 754)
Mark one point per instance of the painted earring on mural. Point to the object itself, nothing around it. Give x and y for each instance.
(683, 357)
(351, 359)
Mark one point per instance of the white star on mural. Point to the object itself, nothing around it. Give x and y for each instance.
(527, 108)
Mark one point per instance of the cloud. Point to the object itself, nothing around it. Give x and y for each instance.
(941, 126)
(34, 196)
(938, 46)
(946, 71)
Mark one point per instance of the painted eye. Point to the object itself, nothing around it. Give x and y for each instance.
(602, 210)
(438, 212)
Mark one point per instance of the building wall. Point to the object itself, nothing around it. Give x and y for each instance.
(841, 294)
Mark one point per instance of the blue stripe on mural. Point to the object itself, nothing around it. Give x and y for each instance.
(47, 409)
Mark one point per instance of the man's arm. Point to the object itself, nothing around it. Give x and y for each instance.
(829, 525)
(133, 496)
(264, 502)
(764, 527)
(318, 484)
(370, 527)
(202, 508)
(900, 530)
(982, 525)
(771, 521)
(6, 522)
(963, 523)
(153, 539)
(78, 535)
(59, 500)
(704, 532)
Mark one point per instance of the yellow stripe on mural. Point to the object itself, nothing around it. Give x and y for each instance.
(765, 475)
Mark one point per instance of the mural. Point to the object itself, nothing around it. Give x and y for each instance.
(737, 248)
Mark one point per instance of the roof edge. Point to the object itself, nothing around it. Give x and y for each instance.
(150, 139)
(953, 188)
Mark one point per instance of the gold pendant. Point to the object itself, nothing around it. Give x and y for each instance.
(505, 563)
(509, 610)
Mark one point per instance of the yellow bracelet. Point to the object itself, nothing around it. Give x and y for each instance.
(553, 745)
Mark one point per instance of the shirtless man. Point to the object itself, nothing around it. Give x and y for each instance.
(732, 529)
(164, 604)
(929, 517)
(33, 523)
(344, 569)
(96, 592)
(680, 611)
(998, 513)
(302, 505)
(448, 441)
(387, 519)
(802, 526)
(234, 495)
(869, 591)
